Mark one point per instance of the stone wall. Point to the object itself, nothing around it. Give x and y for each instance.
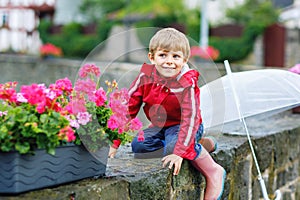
(277, 149)
(30, 69)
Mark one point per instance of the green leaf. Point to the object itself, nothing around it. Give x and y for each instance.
(43, 118)
(6, 146)
(23, 147)
(51, 151)
(3, 132)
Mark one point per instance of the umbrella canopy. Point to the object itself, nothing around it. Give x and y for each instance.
(242, 95)
(260, 93)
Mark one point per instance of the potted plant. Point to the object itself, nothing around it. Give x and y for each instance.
(295, 69)
(49, 50)
(57, 134)
(204, 53)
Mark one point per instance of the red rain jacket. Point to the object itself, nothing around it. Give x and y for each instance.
(169, 102)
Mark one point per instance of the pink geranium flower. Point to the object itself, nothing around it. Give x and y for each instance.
(41, 107)
(33, 93)
(89, 69)
(295, 69)
(118, 101)
(84, 118)
(73, 122)
(100, 97)
(87, 87)
(136, 124)
(20, 98)
(64, 85)
(112, 123)
(77, 105)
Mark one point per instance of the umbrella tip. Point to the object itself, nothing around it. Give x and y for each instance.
(277, 195)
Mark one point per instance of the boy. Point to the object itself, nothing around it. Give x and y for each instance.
(171, 97)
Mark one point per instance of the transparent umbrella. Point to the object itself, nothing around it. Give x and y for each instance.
(248, 94)
(259, 93)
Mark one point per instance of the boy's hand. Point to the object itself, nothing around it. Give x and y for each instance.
(112, 152)
(175, 160)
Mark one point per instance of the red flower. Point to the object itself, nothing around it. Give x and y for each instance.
(67, 134)
(50, 49)
(208, 53)
(8, 92)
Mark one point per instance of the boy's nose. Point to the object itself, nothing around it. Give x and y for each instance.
(169, 60)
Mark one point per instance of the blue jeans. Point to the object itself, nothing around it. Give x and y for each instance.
(160, 142)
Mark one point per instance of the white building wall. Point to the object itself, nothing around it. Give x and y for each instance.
(67, 11)
(216, 9)
(290, 16)
(18, 26)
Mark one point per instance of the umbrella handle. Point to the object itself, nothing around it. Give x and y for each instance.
(277, 195)
(263, 188)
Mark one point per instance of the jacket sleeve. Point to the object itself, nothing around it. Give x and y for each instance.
(190, 121)
(135, 96)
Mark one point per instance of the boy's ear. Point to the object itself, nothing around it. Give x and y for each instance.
(151, 58)
(186, 61)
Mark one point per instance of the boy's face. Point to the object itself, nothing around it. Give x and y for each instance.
(167, 63)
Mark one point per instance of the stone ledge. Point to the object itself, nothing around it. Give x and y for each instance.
(277, 150)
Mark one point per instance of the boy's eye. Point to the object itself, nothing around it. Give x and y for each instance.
(176, 56)
(162, 55)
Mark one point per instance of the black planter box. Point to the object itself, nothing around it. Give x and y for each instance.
(21, 173)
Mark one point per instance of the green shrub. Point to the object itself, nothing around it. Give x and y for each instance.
(72, 41)
(255, 17)
(232, 49)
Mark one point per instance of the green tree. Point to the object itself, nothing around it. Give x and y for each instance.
(107, 13)
(162, 12)
(146, 13)
(255, 16)
(97, 9)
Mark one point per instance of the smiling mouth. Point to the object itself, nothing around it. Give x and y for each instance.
(168, 67)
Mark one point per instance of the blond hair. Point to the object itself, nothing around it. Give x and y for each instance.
(170, 39)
